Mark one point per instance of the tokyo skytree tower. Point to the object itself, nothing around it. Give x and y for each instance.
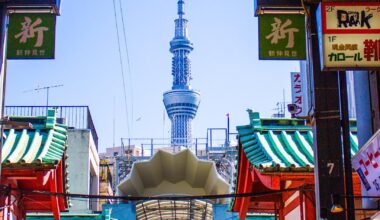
(181, 102)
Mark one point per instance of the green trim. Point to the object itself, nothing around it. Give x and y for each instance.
(290, 149)
(354, 142)
(304, 150)
(275, 149)
(309, 138)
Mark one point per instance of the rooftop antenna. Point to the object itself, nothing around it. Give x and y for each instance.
(278, 110)
(47, 88)
(280, 107)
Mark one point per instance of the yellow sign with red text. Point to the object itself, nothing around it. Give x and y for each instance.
(349, 35)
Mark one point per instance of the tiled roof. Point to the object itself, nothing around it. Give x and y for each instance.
(281, 143)
(44, 143)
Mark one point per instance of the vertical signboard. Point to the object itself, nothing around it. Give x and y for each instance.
(282, 37)
(349, 35)
(31, 36)
(366, 162)
(300, 99)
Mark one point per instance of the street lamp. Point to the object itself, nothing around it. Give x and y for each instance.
(336, 207)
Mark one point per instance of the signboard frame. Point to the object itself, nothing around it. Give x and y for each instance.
(45, 29)
(302, 48)
(324, 30)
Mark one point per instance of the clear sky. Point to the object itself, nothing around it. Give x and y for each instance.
(225, 66)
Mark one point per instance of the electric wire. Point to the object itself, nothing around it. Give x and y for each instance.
(145, 198)
(35, 201)
(121, 66)
(128, 64)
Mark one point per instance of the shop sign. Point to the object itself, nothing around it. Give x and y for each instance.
(282, 37)
(300, 99)
(349, 35)
(31, 36)
(366, 162)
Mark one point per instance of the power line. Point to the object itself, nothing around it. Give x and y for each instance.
(128, 62)
(139, 198)
(121, 66)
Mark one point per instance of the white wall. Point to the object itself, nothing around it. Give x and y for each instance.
(83, 167)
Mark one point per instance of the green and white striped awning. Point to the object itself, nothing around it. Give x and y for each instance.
(280, 142)
(44, 143)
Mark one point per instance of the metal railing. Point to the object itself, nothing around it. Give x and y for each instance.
(202, 147)
(78, 117)
(149, 146)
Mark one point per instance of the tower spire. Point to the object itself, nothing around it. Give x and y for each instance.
(181, 11)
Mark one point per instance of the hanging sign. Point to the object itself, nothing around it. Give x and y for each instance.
(282, 37)
(31, 36)
(300, 99)
(349, 35)
(366, 162)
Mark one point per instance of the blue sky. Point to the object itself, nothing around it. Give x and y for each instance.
(225, 66)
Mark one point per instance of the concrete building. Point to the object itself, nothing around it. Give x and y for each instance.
(106, 182)
(83, 169)
(112, 152)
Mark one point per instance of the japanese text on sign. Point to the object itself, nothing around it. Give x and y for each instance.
(282, 36)
(297, 98)
(346, 16)
(367, 164)
(300, 99)
(350, 35)
(31, 36)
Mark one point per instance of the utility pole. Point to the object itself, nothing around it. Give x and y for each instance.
(3, 67)
(328, 167)
(349, 189)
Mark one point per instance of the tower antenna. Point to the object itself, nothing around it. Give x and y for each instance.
(47, 88)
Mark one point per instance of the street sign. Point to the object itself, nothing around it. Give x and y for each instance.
(366, 162)
(282, 37)
(31, 36)
(349, 35)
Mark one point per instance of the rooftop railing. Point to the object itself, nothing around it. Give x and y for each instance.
(149, 146)
(75, 117)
